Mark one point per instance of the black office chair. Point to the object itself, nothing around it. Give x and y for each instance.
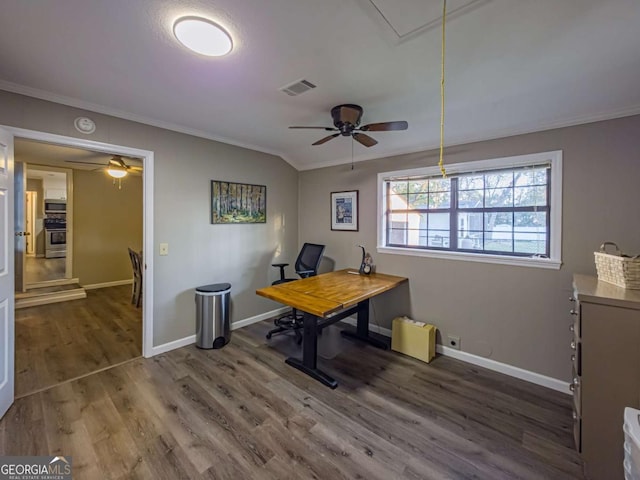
(306, 265)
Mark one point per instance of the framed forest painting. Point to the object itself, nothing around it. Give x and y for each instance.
(238, 202)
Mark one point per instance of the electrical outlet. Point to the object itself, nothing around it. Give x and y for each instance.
(164, 249)
(454, 341)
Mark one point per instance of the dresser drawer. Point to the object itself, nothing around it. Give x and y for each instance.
(576, 324)
(576, 389)
(577, 431)
(576, 356)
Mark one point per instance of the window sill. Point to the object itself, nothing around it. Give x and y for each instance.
(475, 257)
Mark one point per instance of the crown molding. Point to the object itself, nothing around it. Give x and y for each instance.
(493, 135)
(300, 166)
(93, 107)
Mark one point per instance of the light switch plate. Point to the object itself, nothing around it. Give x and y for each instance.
(164, 249)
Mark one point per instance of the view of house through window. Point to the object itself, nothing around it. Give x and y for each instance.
(497, 210)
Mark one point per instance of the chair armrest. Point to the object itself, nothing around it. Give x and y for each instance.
(281, 267)
(306, 273)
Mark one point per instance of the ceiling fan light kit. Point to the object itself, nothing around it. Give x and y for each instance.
(116, 171)
(346, 121)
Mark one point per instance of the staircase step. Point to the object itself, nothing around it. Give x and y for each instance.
(51, 283)
(52, 294)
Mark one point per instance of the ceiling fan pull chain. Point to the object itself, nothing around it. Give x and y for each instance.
(352, 153)
(441, 162)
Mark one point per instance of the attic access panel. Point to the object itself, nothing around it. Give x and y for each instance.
(408, 18)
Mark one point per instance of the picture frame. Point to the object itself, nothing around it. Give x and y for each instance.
(233, 202)
(344, 211)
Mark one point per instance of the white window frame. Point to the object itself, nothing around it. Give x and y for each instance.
(555, 220)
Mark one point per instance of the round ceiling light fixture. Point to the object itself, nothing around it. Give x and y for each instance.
(202, 36)
(116, 171)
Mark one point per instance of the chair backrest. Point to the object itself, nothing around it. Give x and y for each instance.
(136, 263)
(309, 259)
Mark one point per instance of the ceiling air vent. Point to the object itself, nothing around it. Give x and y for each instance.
(297, 88)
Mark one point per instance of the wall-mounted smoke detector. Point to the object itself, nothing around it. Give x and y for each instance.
(297, 88)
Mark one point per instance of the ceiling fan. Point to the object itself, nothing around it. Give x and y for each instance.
(346, 121)
(116, 167)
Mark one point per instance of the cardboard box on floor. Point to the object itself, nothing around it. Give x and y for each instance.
(416, 339)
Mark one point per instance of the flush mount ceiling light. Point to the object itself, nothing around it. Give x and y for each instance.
(202, 36)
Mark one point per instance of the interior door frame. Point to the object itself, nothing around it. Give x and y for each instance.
(68, 264)
(30, 214)
(147, 210)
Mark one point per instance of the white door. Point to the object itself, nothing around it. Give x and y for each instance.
(6, 272)
(20, 240)
(30, 230)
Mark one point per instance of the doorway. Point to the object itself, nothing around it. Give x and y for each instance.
(48, 261)
(146, 159)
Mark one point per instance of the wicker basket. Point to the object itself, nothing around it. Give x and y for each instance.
(618, 268)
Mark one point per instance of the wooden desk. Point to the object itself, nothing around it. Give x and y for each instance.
(326, 299)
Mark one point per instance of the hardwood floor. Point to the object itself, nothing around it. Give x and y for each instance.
(38, 269)
(242, 413)
(61, 341)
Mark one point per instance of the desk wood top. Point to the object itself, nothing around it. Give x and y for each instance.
(330, 292)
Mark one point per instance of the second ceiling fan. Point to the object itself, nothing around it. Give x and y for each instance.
(346, 121)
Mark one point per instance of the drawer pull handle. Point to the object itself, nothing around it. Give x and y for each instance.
(573, 345)
(572, 328)
(572, 299)
(572, 387)
(575, 416)
(573, 357)
(573, 312)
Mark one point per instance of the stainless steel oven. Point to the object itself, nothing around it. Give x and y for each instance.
(55, 231)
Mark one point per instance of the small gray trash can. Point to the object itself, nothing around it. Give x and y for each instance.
(212, 315)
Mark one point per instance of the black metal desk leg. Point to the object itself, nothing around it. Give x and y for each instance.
(362, 328)
(309, 361)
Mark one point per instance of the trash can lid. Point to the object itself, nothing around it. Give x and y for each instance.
(214, 287)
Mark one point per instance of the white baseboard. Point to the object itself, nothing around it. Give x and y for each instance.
(526, 375)
(183, 342)
(167, 347)
(259, 318)
(115, 283)
(522, 374)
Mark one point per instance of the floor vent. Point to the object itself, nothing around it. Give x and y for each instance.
(297, 88)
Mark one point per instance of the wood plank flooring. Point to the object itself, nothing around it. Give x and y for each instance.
(39, 269)
(61, 341)
(242, 413)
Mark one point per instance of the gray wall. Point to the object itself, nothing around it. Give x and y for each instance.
(106, 221)
(199, 253)
(514, 315)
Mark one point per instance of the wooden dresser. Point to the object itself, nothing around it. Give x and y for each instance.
(606, 371)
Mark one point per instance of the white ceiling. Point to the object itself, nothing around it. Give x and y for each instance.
(513, 66)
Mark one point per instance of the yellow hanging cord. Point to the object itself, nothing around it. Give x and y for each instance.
(441, 162)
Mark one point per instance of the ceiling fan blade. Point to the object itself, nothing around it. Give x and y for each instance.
(328, 129)
(86, 163)
(134, 168)
(365, 140)
(326, 139)
(385, 126)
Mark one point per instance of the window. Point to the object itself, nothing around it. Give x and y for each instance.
(505, 210)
